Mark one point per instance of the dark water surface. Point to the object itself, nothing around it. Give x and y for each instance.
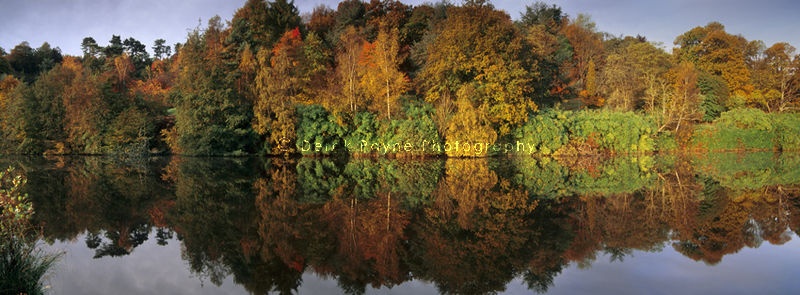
(668, 224)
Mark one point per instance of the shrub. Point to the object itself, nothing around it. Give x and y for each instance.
(416, 130)
(22, 265)
(364, 128)
(318, 132)
(616, 132)
(737, 129)
(787, 127)
(16, 209)
(544, 133)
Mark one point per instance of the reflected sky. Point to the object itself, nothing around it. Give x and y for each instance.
(762, 270)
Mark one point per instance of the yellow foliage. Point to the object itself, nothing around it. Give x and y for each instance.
(481, 46)
(469, 126)
(382, 79)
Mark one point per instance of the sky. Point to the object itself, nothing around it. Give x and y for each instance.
(64, 24)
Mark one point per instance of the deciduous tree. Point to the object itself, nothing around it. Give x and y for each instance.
(381, 79)
(479, 45)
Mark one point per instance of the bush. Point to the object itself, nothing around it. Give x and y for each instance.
(544, 133)
(370, 136)
(364, 128)
(16, 209)
(738, 129)
(787, 127)
(615, 132)
(415, 131)
(666, 141)
(22, 266)
(318, 132)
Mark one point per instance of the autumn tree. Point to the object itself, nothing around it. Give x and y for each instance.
(542, 26)
(278, 86)
(261, 23)
(322, 20)
(37, 113)
(474, 216)
(469, 126)
(779, 92)
(587, 46)
(316, 66)
(633, 76)
(715, 51)
(589, 93)
(348, 72)
(683, 106)
(381, 78)
(479, 45)
(7, 85)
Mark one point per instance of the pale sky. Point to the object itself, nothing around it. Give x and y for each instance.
(64, 23)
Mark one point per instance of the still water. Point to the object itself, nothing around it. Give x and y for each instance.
(689, 224)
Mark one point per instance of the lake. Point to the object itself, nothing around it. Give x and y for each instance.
(667, 224)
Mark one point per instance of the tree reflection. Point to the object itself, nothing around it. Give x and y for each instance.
(465, 225)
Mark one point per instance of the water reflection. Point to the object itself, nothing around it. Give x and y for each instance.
(468, 226)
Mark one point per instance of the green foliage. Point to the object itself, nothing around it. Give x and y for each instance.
(131, 132)
(666, 141)
(39, 116)
(787, 127)
(416, 130)
(750, 171)
(364, 128)
(414, 180)
(363, 175)
(746, 119)
(317, 131)
(747, 129)
(542, 178)
(212, 118)
(568, 132)
(714, 93)
(369, 135)
(614, 176)
(548, 178)
(614, 131)
(318, 180)
(545, 132)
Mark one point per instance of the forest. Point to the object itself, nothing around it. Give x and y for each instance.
(386, 78)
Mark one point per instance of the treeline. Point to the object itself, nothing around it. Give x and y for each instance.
(270, 80)
(466, 225)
